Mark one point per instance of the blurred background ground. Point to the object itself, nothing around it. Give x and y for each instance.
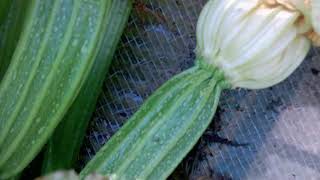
(265, 134)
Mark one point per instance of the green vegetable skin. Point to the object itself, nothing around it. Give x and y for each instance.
(61, 154)
(10, 32)
(152, 143)
(54, 56)
(243, 44)
(4, 8)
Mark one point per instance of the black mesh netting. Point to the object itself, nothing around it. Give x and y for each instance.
(271, 133)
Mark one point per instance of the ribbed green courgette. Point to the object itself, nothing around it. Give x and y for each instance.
(73, 127)
(152, 143)
(53, 57)
(10, 32)
(248, 44)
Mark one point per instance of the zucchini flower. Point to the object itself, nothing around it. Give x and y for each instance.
(310, 16)
(257, 43)
(243, 43)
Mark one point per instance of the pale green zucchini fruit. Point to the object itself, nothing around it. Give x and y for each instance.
(73, 126)
(152, 143)
(246, 44)
(53, 57)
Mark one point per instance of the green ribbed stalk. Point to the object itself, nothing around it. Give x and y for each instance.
(10, 32)
(154, 141)
(73, 127)
(53, 58)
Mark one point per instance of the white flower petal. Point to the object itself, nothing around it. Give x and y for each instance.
(256, 46)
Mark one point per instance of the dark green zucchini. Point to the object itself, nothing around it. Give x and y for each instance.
(152, 143)
(4, 9)
(73, 127)
(53, 57)
(10, 32)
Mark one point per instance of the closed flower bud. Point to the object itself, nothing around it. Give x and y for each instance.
(256, 44)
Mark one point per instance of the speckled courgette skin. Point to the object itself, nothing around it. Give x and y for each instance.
(153, 142)
(73, 127)
(54, 56)
(10, 31)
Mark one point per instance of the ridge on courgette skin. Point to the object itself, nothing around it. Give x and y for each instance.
(73, 126)
(10, 32)
(53, 58)
(153, 142)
